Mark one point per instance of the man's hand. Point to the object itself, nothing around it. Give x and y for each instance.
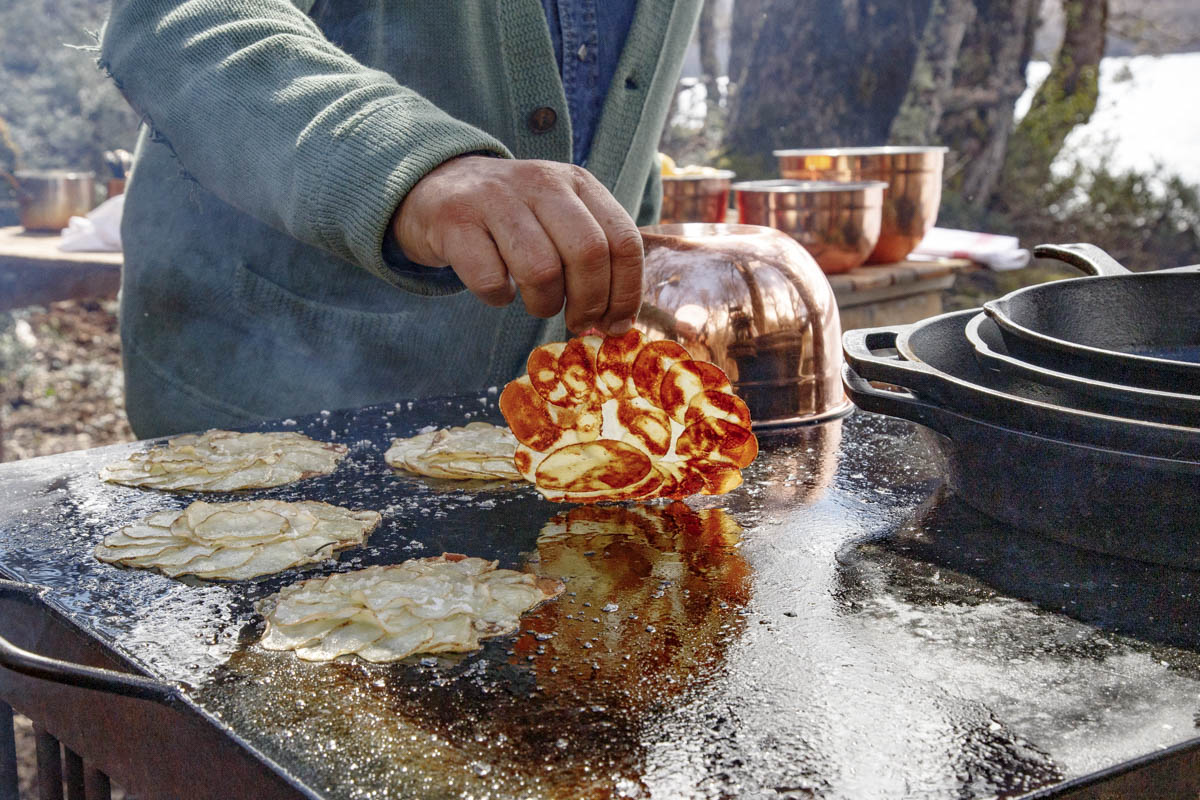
(550, 230)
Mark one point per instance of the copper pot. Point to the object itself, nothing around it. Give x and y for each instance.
(696, 198)
(48, 199)
(910, 203)
(752, 301)
(838, 223)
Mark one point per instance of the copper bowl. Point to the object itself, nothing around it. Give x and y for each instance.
(838, 223)
(752, 301)
(910, 203)
(695, 198)
(48, 199)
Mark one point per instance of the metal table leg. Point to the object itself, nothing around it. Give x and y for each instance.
(49, 761)
(8, 754)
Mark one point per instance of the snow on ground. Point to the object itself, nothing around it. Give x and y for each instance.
(1147, 115)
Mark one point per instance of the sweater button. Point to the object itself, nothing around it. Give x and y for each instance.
(542, 119)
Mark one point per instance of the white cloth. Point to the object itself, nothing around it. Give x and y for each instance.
(1000, 253)
(99, 231)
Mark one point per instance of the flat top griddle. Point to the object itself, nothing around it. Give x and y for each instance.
(864, 635)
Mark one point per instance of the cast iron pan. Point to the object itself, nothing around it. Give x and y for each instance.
(1013, 375)
(938, 364)
(1137, 329)
(1099, 499)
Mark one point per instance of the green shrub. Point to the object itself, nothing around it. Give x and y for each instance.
(61, 109)
(1145, 220)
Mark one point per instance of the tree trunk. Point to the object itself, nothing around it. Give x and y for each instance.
(1066, 99)
(710, 67)
(933, 76)
(821, 73)
(748, 19)
(978, 113)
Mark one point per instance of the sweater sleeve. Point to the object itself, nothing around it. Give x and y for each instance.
(275, 120)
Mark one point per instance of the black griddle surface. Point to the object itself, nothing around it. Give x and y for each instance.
(868, 636)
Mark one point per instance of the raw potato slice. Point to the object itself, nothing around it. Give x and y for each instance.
(235, 541)
(667, 425)
(223, 461)
(355, 634)
(258, 525)
(292, 637)
(386, 613)
(476, 451)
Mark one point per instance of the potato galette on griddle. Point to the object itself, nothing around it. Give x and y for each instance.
(475, 451)
(234, 541)
(382, 613)
(224, 461)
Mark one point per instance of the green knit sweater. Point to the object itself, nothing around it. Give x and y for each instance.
(280, 141)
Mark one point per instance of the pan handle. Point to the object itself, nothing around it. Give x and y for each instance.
(859, 346)
(25, 662)
(1085, 257)
(902, 404)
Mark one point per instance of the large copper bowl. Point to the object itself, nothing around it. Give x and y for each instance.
(695, 198)
(837, 222)
(752, 301)
(910, 203)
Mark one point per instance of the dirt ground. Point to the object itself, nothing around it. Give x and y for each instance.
(60, 390)
(60, 379)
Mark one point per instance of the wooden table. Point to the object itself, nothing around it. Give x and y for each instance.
(894, 294)
(33, 271)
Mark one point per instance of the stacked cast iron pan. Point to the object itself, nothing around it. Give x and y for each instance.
(1070, 409)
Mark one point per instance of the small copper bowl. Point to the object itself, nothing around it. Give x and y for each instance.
(47, 199)
(910, 204)
(752, 301)
(696, 198)
(838, 223)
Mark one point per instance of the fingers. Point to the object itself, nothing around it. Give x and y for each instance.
(625, 257)
(474, 257)
(583, 247)
(550, 230)
(531, 257)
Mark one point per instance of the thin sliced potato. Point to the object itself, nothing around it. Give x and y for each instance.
(386, 613)
(227, 461)
(235, 541)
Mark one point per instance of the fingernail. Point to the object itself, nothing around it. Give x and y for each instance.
(620, 327)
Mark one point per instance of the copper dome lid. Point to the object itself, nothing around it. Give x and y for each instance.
(754, 302)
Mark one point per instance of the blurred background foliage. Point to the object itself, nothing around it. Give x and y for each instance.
(59, 110)
(810, 73)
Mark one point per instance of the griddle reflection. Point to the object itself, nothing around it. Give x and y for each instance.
(558, 710)
(652, 600)
(801, 463)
